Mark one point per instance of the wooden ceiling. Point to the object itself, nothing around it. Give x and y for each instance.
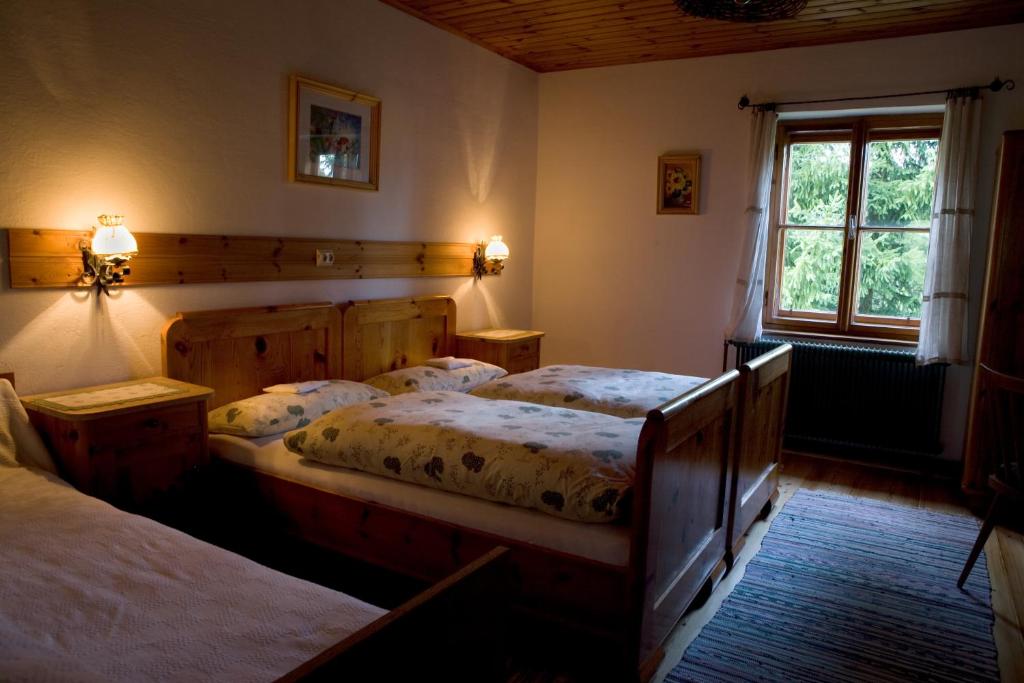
(556, 35)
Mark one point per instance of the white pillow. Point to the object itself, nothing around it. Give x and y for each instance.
(422, 378)
(19, 441)
(275, 413)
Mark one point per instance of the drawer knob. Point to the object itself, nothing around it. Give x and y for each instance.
(151, 423)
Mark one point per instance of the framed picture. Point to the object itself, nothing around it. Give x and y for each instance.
(679, 183)
(333, 135)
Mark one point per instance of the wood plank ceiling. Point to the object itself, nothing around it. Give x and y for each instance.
(557, 35)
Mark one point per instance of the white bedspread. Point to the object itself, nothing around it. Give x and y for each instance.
(88, 592)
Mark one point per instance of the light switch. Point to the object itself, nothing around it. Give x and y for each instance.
(324, 258)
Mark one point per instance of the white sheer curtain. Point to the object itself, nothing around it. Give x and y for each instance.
(944, 300)
(749, 297)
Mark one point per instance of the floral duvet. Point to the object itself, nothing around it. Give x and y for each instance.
(625, 393)
(566, 463)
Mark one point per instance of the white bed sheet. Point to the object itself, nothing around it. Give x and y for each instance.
(607, 543)
(88, 592)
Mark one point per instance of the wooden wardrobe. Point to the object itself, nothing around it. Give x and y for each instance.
(1001, 332)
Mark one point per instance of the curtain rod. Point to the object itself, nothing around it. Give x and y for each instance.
(995, 86)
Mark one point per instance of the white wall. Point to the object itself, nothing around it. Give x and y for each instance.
(614, 283)
(174, 113)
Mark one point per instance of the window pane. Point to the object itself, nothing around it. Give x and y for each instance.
(810, 270)
(891, 273)
(901, 181)
(818, 176)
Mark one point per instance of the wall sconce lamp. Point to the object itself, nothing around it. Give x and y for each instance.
(104, 259)
(490, 258)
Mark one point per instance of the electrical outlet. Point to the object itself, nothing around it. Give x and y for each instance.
(324, 258)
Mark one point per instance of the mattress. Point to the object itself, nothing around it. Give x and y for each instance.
(608, 543)
(612, 391)
(88, 592)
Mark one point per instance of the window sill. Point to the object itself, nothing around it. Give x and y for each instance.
(845, 338)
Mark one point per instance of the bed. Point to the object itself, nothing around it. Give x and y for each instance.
(646, 572)
(94, 593)
(389, 334)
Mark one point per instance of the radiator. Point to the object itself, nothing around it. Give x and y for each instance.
(858, 401)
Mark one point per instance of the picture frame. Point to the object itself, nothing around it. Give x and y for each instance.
(333, 135)
(679, 184)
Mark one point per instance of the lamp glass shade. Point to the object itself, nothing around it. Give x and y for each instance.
(114, 240)
(496, 249)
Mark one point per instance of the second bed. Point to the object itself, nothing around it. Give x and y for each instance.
(681, 522)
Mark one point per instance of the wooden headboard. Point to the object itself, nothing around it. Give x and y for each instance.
(239, 351)
(388, 334)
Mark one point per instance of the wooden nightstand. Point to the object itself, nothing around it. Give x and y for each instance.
(514, 350)
(134, 444)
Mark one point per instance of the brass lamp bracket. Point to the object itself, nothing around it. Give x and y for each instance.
(102, 271)
(482, 266)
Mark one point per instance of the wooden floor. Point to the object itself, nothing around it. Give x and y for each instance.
(1005, 553)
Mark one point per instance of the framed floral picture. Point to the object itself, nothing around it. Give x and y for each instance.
(679, 183)
(333, 135)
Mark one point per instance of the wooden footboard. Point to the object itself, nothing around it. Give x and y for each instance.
(551, 584)
(451, 631)
(681, 510)
(764, 390)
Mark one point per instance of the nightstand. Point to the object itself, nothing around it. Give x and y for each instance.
(134, 444)
(514, 350)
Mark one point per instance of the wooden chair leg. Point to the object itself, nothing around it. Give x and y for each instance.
(986, 530)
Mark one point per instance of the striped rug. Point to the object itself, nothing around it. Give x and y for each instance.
(852, 589)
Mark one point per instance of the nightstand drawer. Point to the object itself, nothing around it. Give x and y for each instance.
(130, 476)
(150, 425)
(522, 364)
(524, 349)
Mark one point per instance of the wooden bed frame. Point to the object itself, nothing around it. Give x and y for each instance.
(764, 387)
(461, 612)
(683, 522)
(388, 334)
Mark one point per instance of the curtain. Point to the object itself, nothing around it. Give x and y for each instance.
(944, 300)
(749, 297)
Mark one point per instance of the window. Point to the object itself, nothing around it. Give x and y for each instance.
(851, 207)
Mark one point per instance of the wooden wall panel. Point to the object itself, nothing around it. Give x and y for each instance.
(51, 258)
